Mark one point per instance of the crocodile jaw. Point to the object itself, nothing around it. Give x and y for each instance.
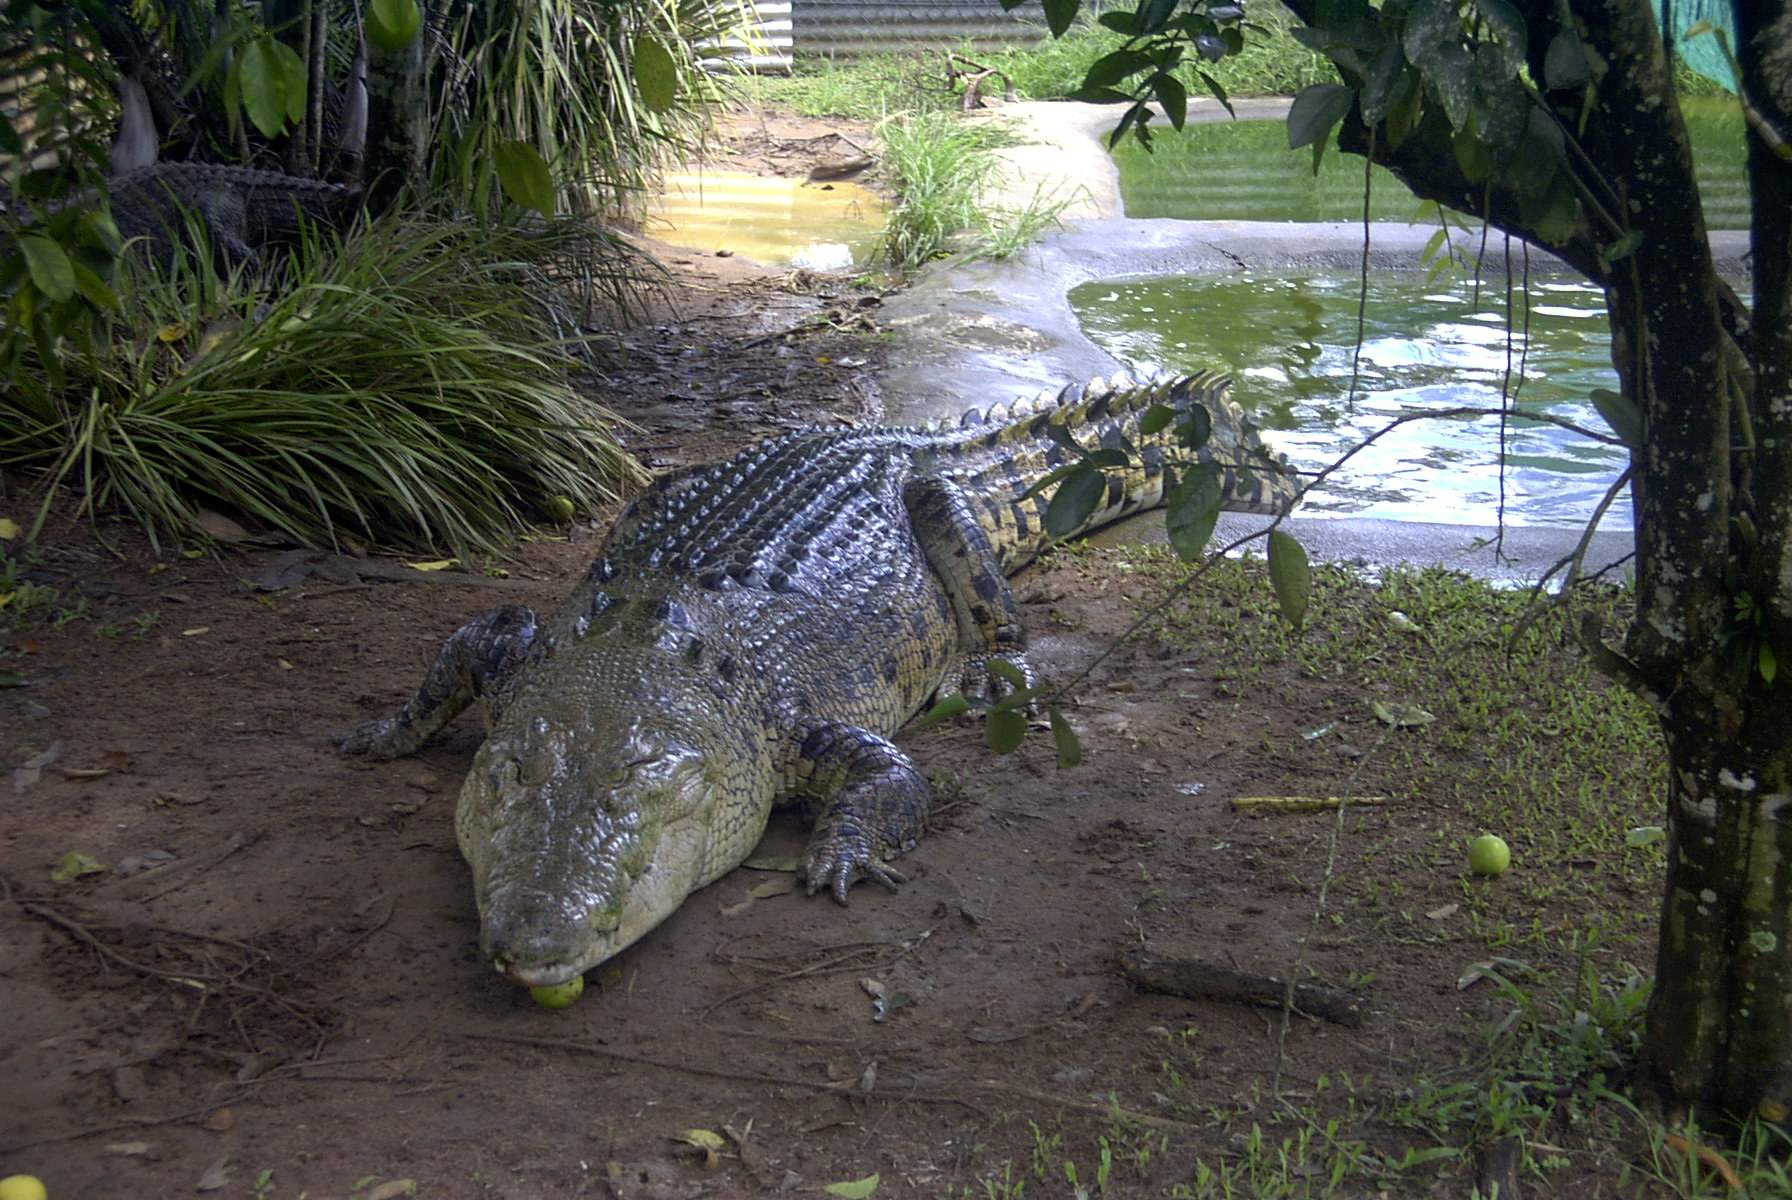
(580, 844)
(537, 938)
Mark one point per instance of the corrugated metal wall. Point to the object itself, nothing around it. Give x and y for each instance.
(850, 28)
(770, 51)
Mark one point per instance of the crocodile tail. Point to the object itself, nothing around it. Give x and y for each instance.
(1004, 451)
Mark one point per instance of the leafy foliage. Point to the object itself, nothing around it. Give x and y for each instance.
(404, 390)
(603, 94)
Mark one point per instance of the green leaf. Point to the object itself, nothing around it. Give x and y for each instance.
(1196, 428)
(1172, 97)
(1316, 111)
(1008, 671)
(391, 24)
(13, 679)
(1290, 575)
(656, 76)
(1217, 91)
(1624, 247)
(1005, 730)
(1075, 501)
(1387, 70)
(1153, 14)
(1767, 662)
(1565, 62)
(1542, 155)
(1472, 156)
(1156, 418)
(1050, 480)
(95, 289)
(954, 705)
(1508, 27)
(50, 268)
(1120, 21)
(1070, 748)
(74, 864)
(1405, 714)
(1058, 16)
(1110, 69)
(525, 177)
(98, 229)
(1433, 44)
(1192, 509)
(271, 78)
(1555, 216)
(1621, 415)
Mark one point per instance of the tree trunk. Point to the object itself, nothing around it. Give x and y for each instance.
(1719, 1038)
(398, 120)
(1714, 522)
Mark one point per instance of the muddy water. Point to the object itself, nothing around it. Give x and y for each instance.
(780, 222)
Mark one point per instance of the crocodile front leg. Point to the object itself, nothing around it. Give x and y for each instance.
(480, 661)
(961, 555)
(873, 803)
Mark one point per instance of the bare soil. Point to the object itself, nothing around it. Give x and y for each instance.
(272, 987)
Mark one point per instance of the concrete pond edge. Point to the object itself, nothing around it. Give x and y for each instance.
(969, 333)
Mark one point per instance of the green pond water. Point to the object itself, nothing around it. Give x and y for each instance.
(1244, 171)
(1289, 341)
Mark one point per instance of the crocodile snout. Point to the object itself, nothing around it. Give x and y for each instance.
(537, 939)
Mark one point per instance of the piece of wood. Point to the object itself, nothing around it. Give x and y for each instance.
(1204, 981)
(1297, 804)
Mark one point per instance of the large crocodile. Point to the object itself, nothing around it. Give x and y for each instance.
(241, 209)
(752, 633)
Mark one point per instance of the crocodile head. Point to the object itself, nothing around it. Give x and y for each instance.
(584, 829)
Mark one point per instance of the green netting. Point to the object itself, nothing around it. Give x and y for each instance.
(1702, 53)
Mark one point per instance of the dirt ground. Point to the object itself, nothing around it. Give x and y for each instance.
(272, 986)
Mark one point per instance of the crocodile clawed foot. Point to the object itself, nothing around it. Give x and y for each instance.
(839, 875)
(980, 682)
(373, 739)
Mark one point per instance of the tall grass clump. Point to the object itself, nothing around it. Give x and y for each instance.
(945, 166)
(404, 390)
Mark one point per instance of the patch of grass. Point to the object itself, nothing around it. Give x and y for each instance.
(27, 603)
(408, 390)
(1524, 739)
(944, 166)
(871, 89)
(1515, 734)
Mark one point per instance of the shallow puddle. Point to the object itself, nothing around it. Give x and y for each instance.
(780, 222)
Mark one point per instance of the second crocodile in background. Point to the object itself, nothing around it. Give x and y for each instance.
(753, 633)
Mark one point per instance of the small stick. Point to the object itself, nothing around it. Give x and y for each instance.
(1300, 804)
(1203, 981)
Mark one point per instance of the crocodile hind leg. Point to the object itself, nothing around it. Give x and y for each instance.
(480, 661)
(961, 555)
(872, 800)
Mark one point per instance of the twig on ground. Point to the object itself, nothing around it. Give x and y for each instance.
(1204, 981)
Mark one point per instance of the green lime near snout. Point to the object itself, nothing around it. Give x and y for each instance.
(1489, 855)
(559, 995)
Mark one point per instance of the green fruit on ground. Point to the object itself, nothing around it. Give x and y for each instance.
(1489, 855)
(23, 1187)
(558, 995)
(560, 508)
